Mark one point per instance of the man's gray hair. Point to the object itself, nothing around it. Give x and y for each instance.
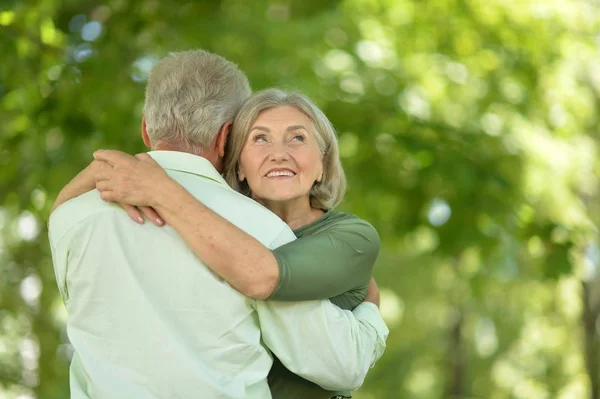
(190, 95)
(325, 194)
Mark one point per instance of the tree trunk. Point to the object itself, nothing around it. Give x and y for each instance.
(592, 341)
(455, 385)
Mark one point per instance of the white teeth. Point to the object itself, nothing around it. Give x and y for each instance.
(276, 173)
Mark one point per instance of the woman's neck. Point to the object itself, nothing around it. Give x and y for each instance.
(295, 213)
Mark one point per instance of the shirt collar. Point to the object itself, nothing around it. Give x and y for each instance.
(187, 163)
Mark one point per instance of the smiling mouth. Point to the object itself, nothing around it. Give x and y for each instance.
(280, 173)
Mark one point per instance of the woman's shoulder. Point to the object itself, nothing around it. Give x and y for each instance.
(336, 222)
(348, 220)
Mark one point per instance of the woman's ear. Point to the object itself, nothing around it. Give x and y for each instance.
(241, 175)
(320, 174)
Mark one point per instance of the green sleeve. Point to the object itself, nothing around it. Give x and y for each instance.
(334, 261)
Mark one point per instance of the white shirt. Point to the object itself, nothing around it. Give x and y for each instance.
(147, 319)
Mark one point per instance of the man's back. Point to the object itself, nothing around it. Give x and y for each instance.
(146, 318)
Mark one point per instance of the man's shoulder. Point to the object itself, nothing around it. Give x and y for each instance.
(243, 212)
(76, 210)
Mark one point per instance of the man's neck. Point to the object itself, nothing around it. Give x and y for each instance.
(214, 159)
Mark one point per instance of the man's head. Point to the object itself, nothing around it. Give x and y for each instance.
(191, 99)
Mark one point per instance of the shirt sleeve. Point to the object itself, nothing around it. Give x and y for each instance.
(59, 231)
(322, 343)
(59, 261)
(337, 260)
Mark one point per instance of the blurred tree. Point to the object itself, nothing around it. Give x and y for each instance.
(468, 130)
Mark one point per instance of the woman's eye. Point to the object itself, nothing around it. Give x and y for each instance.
(299, 138)
(260, 139)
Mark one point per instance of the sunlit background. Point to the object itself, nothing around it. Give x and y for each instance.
(468, 131)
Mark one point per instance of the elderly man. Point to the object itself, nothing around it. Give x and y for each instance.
(146, 318)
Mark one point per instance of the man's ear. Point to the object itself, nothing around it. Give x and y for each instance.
(145, 136)
(221, 139)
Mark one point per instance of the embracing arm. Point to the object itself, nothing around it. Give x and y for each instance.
(81, 184)
(231, 253)
(234, 255)
(312, 267)
(86, 181)
(340, 259)
(322, 343)
(337, 260)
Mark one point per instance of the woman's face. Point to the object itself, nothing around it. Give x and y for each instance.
(281, 158)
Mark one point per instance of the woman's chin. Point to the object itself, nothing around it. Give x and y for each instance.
(280, 198)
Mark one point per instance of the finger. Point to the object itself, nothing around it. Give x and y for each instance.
(103, 176)
(152, 215)
(107, 196)
(101, 165)
(146, 158)
(134, 213)
(113, 157)
(143, 156)
(103, 185)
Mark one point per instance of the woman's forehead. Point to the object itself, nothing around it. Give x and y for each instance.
(286, 115)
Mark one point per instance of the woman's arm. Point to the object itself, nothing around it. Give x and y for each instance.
(86, 181)
(231, 253)
(321, 266)
(313, 267)
(82, 183)
(336, 262)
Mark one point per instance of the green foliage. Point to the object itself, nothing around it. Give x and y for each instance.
(468, 131)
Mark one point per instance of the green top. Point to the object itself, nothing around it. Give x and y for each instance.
(332, 258)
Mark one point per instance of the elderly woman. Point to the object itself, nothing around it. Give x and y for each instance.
(283, 153)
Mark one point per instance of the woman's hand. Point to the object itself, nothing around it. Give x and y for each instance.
(372, 293)
(134, 182)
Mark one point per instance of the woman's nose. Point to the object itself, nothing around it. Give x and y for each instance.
(280, 152)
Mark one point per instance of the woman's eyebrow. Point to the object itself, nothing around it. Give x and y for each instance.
(262, 128)
(296, 127)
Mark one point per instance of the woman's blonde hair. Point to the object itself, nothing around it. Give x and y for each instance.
(325, 194)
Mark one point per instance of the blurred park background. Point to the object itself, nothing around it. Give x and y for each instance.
(468, 131)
